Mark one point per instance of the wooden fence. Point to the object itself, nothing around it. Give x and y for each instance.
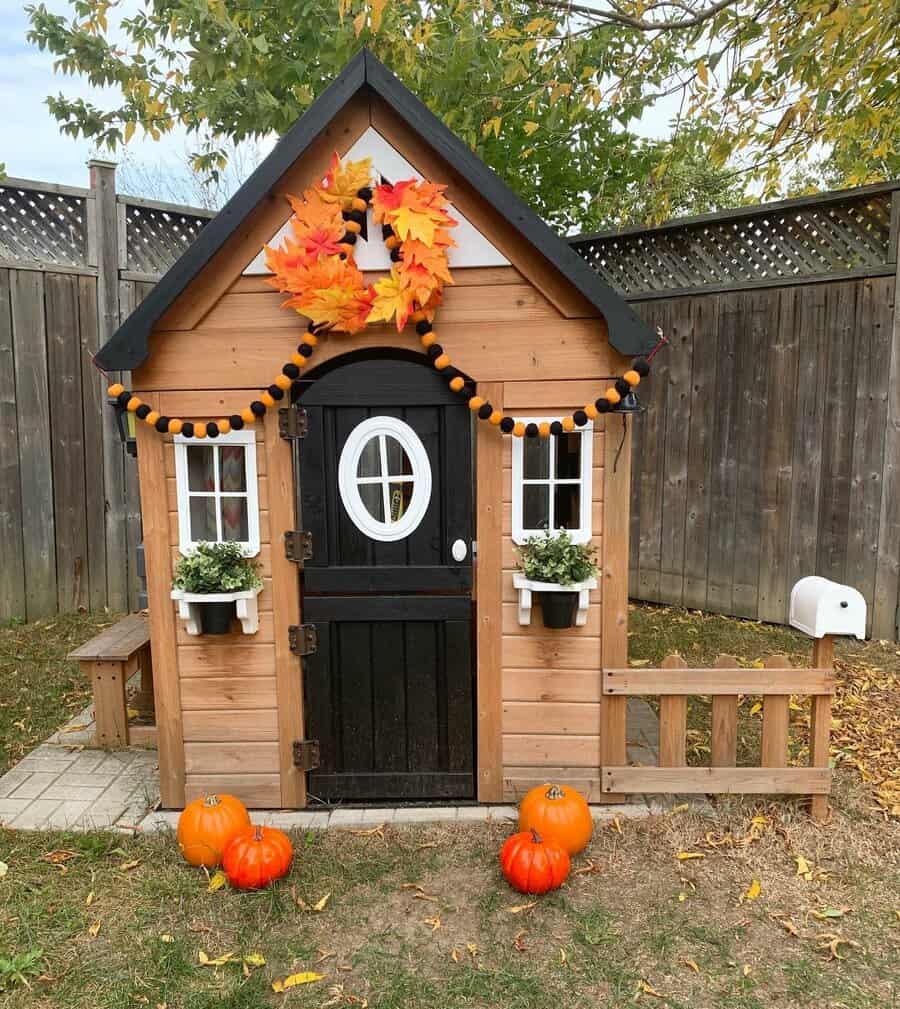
(72, 263)
(673, 682)
(770, 449)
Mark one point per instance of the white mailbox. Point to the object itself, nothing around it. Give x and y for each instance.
(820, 606)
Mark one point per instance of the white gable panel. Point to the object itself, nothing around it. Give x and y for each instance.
(472, 248)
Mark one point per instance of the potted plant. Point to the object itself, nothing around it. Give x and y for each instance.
(217, 580)
(561, 572)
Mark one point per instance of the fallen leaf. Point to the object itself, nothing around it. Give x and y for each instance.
(831, 913)
(254, 960)
(75, 728)
(473, 949)
(519, 908)
(218, 961)
(128, 866)
(292, 980)
(692, 964)
(686, 856)
(132, 713)
(646, 989)
(427, 844)
(58, 856)
(787, 925)
(746, 970)
(434, 922)
(217, 881)
(587, 869)
(454, 956)
(165, 937)
(372, 832)
(683, 808)
(563, 956)
(519, 940)
(803, 867)
(616, 824)
(753, 891)
(324, 955)
(4, 869)
(321, 902)
(94, 930)
(89, 899)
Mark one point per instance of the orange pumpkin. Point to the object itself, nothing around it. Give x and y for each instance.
(256, 856)
(560, 812)
(207, 825)
(533, 864)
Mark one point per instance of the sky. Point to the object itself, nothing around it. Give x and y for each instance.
(31, 145)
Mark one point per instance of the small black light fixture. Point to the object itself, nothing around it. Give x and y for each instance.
(125, 421)
(629, 403)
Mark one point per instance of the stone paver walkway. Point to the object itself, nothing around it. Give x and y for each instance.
(66, 785)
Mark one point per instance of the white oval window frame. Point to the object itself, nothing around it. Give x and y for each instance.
(360, 516)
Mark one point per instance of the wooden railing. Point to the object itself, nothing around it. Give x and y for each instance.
(673, 682)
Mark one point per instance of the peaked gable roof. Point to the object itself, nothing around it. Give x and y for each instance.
(130, 344)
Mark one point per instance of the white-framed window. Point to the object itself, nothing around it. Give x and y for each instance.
(384, 478)
(551, 483)
(217, 491)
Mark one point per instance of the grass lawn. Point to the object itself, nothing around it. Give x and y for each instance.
(421, 917)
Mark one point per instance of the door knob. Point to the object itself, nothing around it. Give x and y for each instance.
(459, 551)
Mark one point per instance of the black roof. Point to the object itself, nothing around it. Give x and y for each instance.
(129, 345)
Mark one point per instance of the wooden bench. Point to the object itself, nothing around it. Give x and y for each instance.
(110, 660)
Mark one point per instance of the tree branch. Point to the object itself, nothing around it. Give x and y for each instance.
(639, 24)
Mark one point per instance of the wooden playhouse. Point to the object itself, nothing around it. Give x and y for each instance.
(387, 658)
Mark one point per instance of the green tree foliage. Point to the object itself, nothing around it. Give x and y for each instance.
(546, 91)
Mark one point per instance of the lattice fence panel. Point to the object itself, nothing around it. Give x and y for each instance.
(42, 226)
(156, 238)
(779, 243)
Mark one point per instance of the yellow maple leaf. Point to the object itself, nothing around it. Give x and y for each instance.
(216, 882)
(687, 856)
(292, 980)
(753, 891)
(393, 298)
(345, 179)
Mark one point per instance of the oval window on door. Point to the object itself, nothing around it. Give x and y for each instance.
(384, 478)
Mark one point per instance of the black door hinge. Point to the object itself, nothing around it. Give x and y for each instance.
(306, 754)
(303, 639)
(298, 545)
(293, 423)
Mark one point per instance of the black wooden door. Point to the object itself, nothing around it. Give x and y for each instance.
(386, 492)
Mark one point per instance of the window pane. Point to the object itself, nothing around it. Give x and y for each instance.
(232, 470)
(201, 475)
(398, 461)
(568, 456)
(370, 459)
(371, 494)
(535, 458)
(234, 519)
(567, 506)
(401, 495)
(203, 519)
(535, 506)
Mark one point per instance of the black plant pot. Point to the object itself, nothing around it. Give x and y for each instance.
(558, 609)
(215, 618)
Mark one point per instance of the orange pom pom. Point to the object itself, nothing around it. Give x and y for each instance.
(592, 411)
(283, 382)
(457, 383)
(418, 315)
(476, 402)
(151, 418)
(248, 416)
(298, 359)
(442, 361)
(115, 390)
(200, 429)
(612, 396)
(496, 417)
(266, 397)
(568, 424)
(358, 203)
(632, 378)
(519, 429)
(428, 339)
(133, 404)
(353, 227)
(310, 339)
(224, 425)
(392, 243)
(544, 429)
(175, 426)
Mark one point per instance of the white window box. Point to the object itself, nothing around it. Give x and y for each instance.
(246, 606)
(525, 587)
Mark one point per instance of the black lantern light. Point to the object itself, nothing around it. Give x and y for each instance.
(125, 426)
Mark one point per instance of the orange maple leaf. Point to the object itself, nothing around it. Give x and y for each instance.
(393, 298)
(430, 257)
(388, 198)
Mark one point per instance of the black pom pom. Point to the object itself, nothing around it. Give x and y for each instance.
(304, 350)
(162, 425)
(580, 418)
(467, 391)
(122, 398)
(642, 366)
(386, 231)
(187, 429)
(531, 430)
(556, 428)
(290, 369)
(236, 421)
(395, 255)
(259, 409)
(507, 424)
(212, 429)
(359, 216)
(603, 405)
(142, 411)
(485, 410)
(276, 392)
(349, 238)
(423, 326)
(622, 387)
(435, 351)
(449, 373)
(365, 193)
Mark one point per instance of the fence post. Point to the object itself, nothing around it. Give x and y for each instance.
(104, 233)
(820, 722)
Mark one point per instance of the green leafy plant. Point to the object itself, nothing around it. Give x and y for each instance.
(553, 557)
(216, 567)
(16, 969)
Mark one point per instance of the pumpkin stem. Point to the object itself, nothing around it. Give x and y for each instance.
(554, 792)
(536, 837)
(210, 801)
(258, 834)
